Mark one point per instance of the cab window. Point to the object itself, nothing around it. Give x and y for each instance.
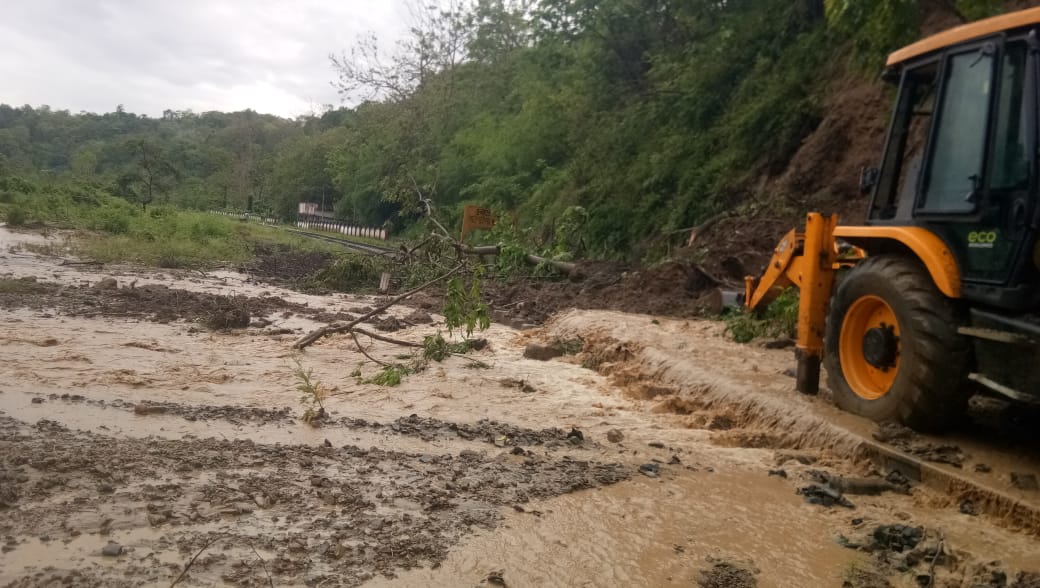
(956, 165)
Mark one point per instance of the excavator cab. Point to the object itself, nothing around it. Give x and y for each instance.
(961, 159)
(943, 295)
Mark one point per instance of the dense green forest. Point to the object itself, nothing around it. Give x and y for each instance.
(590, 124)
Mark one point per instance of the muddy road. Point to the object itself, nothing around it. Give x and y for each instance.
(142, 443)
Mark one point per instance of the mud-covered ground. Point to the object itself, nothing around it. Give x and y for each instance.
(142, 445)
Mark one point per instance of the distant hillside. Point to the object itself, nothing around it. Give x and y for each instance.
(597, 127)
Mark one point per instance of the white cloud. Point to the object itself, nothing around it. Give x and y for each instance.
(150, 55)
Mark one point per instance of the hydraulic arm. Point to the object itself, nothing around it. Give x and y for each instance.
(806, 260)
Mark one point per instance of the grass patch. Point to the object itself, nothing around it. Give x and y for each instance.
(349, 273)
(780, 319)
(115, 231)
(436, 348)
(391, 375)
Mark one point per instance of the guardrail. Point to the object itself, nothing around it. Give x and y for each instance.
(342, 228)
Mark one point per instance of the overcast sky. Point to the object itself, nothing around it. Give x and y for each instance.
(150, 55)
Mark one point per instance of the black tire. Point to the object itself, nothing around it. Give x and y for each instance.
(930, 389)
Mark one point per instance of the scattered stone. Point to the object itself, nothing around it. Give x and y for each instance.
(388, 325)
(518, 451)
(37, 400)
(983, 468)
(727, 575)
(823, 495)
(778, 473)
(675, 460)
(495, 578)
(575, 436)
(146, 409)
(656, 444)
(541, 352)
(896, 537)
(328, 443)
(651, 470)
(907, 440)
(888, 432)
(107, 284)
(112, 550)
(1026, 482)
(968, 507)
(615, 436)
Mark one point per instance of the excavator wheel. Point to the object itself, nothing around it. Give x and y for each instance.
(892, 350)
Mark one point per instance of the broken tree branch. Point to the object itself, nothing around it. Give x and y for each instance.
(313, 336)
(695, 232)
(353, 335)
(385, 339)
(566, 267)
(195, 557)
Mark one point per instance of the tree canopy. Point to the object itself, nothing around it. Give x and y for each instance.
(644, 115)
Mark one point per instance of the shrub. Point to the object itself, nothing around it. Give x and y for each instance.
(16, 216)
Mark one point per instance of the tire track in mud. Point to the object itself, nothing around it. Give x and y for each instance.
(749, 409)
(331, 515)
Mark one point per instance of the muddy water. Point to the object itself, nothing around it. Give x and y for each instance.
(653, 533)
(749, 382)
(170, 480)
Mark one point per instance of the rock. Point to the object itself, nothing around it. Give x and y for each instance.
(968, 507)
(495, 578)
(501, 441)
(328, 443)
(518, 451)
(541, 352)
(778, 473)
(651, 470)
(112, 550)
(1024, 481)
(107, 284)
(388, 325)
(656, 444)
(889, 432)
(983, 468)
(824, 495)
(575, 436)
(615, 436)
(37, 400)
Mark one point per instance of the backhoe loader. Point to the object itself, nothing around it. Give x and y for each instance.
(937, 295)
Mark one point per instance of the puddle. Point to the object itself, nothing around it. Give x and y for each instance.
(652, 533)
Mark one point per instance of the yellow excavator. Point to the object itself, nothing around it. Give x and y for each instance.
(938, 293)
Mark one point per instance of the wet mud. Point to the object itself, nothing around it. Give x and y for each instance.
(322, 514)
(136, 451)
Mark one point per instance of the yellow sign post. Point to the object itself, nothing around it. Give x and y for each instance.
(476, 217)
